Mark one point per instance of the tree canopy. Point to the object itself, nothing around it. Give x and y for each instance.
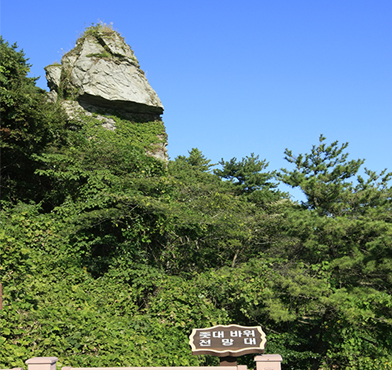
(29, 124)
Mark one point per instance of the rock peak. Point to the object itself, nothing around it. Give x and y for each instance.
(100, 80)
(102, 72)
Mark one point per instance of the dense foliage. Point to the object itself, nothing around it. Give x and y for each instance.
(29, 125)
(109, 257)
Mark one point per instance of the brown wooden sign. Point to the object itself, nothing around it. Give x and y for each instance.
(227, 340)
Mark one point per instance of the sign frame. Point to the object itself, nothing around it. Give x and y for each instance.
(227, 352)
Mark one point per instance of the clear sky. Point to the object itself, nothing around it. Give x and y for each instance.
(237, 77)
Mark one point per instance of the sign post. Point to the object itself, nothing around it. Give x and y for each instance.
(227, 342)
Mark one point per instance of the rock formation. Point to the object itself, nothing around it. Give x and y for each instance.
(101, 74)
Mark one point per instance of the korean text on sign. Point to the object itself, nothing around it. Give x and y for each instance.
(247, 335)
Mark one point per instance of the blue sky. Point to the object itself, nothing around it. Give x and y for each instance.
(241, 77)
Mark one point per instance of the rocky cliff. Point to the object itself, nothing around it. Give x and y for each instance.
(102, 75)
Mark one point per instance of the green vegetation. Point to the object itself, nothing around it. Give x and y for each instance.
(98, 29)
(104, 54)
(109, 257)
(29, 126)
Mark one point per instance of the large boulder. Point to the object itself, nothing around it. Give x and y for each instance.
(102, 71)
(101, 78)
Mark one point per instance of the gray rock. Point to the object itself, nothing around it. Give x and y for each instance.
(52, 96)
(103, 71)
(102, 76)
(118, 47)
(160, 150)
(75, 111)
(53, 75)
